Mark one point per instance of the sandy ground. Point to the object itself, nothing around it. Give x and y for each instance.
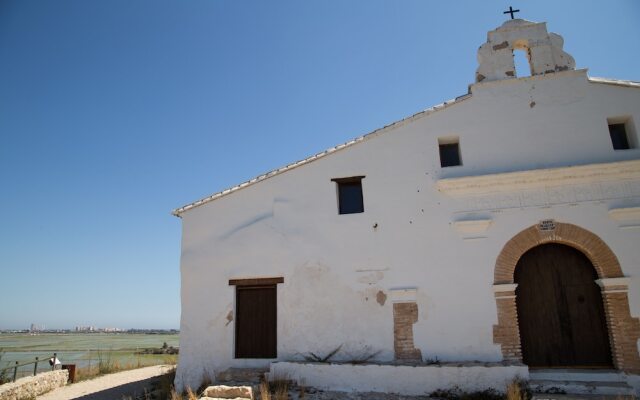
(109, 387)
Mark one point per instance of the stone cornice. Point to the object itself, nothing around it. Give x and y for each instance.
(614, 282)
(625, 213)
(403, 295)
(505, 287)
(540, 178)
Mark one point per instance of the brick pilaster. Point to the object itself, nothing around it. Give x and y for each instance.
(507, 333)
(404, 316)
(624, 330)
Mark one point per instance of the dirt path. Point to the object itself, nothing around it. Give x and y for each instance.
(109, 387)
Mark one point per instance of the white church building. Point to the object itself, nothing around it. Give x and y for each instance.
(491, 236)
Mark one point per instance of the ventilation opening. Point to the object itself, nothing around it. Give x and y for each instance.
(449, 151)
(350, 200)
(623, 133)
(521, 62)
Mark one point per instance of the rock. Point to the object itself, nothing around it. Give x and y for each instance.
(229, 392)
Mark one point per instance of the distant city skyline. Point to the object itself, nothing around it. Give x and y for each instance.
(114, 113)
(33, 328)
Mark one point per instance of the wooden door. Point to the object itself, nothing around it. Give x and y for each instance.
(560, 310)
(256, 323)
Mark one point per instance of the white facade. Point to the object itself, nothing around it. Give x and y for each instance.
(424, 227)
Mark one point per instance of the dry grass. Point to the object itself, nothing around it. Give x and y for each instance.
(282, 391)
(167, 390)
(4, 374)
(106, 365)
(165, 385)
(276, 389)
(101, 369)
(265, 391)
(514, 392)
(190, 395)
(205, 382)
(518, 389)
(302, 391)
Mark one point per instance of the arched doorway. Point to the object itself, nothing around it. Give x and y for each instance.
(560, 310)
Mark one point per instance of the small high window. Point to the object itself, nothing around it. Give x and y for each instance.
(622, 133)
(449, 152)
(350, 199)
(619, 137)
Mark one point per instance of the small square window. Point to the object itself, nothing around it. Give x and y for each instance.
(622, 133)
(449, 152)
(350, 199)
(619, 137)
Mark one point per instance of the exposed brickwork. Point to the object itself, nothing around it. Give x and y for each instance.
(506, 333)
(404, 316)
(605, 262)
(624, 330)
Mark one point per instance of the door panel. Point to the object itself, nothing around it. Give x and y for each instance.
(560, 311)
(256, 322)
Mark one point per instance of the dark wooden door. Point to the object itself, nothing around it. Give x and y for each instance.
(256, 322)
(560, 311)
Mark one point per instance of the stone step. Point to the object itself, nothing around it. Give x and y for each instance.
(251, 375)
(588, 375)
(548, 387)
(224, 398)
(228, 392)
(544, 396)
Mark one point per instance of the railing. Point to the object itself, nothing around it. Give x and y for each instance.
(35, 367)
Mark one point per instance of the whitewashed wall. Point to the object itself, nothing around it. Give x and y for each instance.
(333, 265)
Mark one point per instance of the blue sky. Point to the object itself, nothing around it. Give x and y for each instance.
(113, 113)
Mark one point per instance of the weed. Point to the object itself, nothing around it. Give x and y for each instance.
(555, 390)
(166, 382)
(302, 391)
(105, 364)
(189, 395)
(276, 389)
(457, 394)
(315, 358)
(282, 392)
(362, 356)
(280, 387)
(432, 361)
(205, 381)
(265, 391)
(518, 389)
(4, 375)
(449, 394)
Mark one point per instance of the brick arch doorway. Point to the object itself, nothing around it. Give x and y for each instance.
(561, 315)
(623, 329)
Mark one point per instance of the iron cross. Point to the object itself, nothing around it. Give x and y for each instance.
(511, 11)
